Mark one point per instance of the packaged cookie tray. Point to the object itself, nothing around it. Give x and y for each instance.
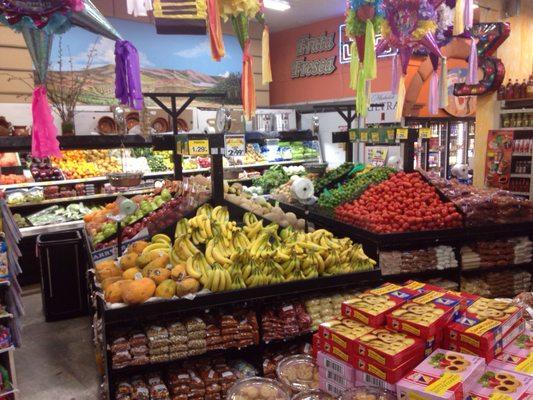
(342, 334)
(517, 356)
(493, 352)
(484, 322)
(496, 383)
(425, 315)
(372, 306)
(257, 389)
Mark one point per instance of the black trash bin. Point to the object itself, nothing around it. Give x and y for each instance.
(63, 274)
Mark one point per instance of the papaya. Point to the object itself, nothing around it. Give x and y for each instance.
(104, 264)
(130, 273)
(108, 281)
(178, 272)
(113, 293)
(108, 271)
(158, 274)
(147, 258)
(159, 262)
(138, 291)
(166, 289)
(187, 286)
(138, 246)
(127, 261)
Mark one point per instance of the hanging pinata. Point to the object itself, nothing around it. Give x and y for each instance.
(363, 21)
(39, 21)
(240, 12)
(410, 24)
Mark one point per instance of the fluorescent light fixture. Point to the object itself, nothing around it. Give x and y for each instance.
(278, 5)
(476, 6)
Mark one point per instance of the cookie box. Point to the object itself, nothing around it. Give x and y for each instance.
(316, 343)
(517, 356)
(496, 383)
(342, 334)
(389, 375)
(528, 395)
(330, 348)
(426, 315)
(331, 376)
(422, 287)
(483, 323)
(389, 348)
(443, 375)
(371, 306)
(327, 362)
(491, 353)
(366, 379)
(331, 387)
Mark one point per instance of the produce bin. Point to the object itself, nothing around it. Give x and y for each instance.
(63, 274)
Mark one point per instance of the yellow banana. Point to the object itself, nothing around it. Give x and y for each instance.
(193, 267)
(155, 246)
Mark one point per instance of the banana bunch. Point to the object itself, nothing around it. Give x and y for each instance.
(218, 279)
(198, 267)
(253, 230)
(309, 266)
(237, 281)
(262, 246)
(160, 238)
(200, 229)
(240, 241)
(182, 228)
(219, 251)
(183, 249)
(160, 246)
(253, 276)
(291, 268)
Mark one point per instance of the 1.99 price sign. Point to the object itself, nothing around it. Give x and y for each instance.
(235, 146)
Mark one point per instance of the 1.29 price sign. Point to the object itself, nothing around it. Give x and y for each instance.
(235, 145)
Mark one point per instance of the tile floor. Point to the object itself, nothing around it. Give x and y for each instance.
(56, 360)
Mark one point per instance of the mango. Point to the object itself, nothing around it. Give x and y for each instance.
(108, 271)
(113, 293)
(108, 281)
(178, 272)
(187, 286)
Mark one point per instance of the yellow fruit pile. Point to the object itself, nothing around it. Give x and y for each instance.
(78, 164)
(143, 272)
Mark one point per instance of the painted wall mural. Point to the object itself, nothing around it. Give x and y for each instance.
(169, 63)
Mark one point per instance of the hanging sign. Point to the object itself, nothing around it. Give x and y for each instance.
(310, 45)
(235, 145)
(402, 133)
(424, 133)
(345, 55)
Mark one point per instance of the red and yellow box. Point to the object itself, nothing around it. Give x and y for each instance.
(338, 337)
(425, 315)
(389, 375)
(487, 354)
(372, 306)
(483, 323)
(389, 348)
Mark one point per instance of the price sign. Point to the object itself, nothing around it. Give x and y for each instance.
(424, 133)
(351, 135)
(390, 135)
(199, 147)
(375, 137)
(235, 146)
(364, 136)
(402, 133)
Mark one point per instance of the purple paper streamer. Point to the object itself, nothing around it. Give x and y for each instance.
(468, 14)
(434, 100)
(395, 74)
(471, 79)
(128, 75)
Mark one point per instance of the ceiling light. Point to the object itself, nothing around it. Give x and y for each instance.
(278, 5)
(476, 6)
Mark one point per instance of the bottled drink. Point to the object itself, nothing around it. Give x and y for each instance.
(516, 89)
(530, 86)
(506, 121)
(512, 121)
(518, 120)
(501, 92)
(509, 90)
(523, 89)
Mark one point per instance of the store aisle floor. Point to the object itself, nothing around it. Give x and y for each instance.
(56, 360)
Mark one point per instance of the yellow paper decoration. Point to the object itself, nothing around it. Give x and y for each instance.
(229, 8)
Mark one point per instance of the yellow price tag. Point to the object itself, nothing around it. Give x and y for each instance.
(390, 134)
(351, 135)
(199, 147)
(235, 146)
(364, 136)
(375, 137)
(424, 133)
(443, 384)
(402, 133)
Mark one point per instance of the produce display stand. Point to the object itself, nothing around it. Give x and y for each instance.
(391, 136)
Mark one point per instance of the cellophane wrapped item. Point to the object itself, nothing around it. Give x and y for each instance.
(484, 206)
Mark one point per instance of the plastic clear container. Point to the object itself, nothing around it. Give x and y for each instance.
(313, 394)
(257, 389)
(298, 372)
(367, 393)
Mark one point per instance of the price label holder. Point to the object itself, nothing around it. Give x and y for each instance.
(352, 135)
(198, 147)
(364, 136)
(391, 136)
(424, 133)
(402, 133)
(375, 136)
(235, 145)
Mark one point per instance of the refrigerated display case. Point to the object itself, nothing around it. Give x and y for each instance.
(451, 142)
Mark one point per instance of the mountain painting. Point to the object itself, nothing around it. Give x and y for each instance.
(169, 63)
